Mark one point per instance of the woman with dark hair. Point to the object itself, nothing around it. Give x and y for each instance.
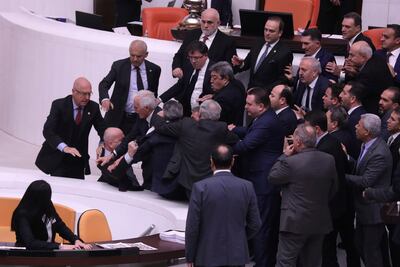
(36, 222)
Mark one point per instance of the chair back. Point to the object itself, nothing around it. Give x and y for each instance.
(375, 35)
(93, 227)
(303, 11)
(68, 216)
(158, 21)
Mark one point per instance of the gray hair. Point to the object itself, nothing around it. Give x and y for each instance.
(210, 110)
(111, 133)
(306, 134)
(173, 110)
(147, 99)
(315, 65)
(224, 69)
(372, 123)
(339, 115)
(363, 49)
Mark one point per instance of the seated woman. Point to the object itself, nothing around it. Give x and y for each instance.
(36, 222)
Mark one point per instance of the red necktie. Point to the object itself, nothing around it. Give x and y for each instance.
(78, 117)
(205, 38)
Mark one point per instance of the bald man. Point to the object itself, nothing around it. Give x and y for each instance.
(370, 70)
(65, 150)
(221, 47)
(129, 76)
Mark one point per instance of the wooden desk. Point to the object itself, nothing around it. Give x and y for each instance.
(336, 46)
(166, 251)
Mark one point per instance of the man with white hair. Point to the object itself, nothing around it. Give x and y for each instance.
(195, 141)
(370, 70)
(312, 85)
(372, 170)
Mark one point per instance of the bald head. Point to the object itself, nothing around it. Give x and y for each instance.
(112, 138)
(209, 21)
(137, 52)
(81, 91)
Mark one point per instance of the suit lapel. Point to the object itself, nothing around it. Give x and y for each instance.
(367, 155)
(149, 73)
(255, 55)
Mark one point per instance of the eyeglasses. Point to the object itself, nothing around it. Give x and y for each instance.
(83, 93)
(195, 58)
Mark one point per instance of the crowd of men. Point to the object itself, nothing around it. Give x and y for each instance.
(318, 148)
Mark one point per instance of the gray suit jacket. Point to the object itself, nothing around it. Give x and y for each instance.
(222, 216)
(307, 188)
(373, 171)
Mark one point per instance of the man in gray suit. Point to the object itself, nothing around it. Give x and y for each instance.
(222, 216)
(372, 170)
(306, 191)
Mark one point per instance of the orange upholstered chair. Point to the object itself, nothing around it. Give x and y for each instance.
(68, 216)
(375, 35)
(93, 227)
(302, 10)
(158, 21)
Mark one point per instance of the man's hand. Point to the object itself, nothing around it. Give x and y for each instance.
(231, 126)
(98, 150)
(72, 151)
(288, 72)
(104, 160)
(189, 264)
(132, 148)
(350, 69)
(331, 67)
(205, 97)
(299, 111)
(289, 150)
(114, 165)
(106, 105)
(177, 73)
(237, 61)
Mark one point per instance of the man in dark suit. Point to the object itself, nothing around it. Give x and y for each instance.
(267, 59)
(393, 127)
(372, 170)
(228, 92)
(306, 192)
(130, 75)
(311, 88)
(341, 200)
(391, 50)
(331, 97)
(195, 81)
(260, 145)
(217, 233)
(195, 140)
(281, 99)
(390, 99)
(66, 130)
(371, 71)
(221, 46)
(351, 98)
(337, 119)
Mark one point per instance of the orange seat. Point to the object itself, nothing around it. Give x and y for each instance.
(302, 10)
(68, 216)
(93, 227)
(158, 21)
(375, 35)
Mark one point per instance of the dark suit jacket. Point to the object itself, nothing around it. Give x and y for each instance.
(376, 77)
(32, 234)
(181, 91)
(260, 146)
(332, 146)
(222, 216)
(395, 150)
(224, 8)
(120, 74)
(307, 188)
(271, 69)
(362, 37)
(59, 128)
(232, 99)
(324, 57)
(344, 136)
(319, 91)
(288, 120)
(354, 117)
(191, 161)
(382, 53)
(222, 49)
(373, 171)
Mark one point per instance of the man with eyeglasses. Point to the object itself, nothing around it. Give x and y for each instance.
(129, 76)
(221, 47)
(196, 79)
(66, 130)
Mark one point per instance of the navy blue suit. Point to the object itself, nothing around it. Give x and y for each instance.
(324, 57)
(354, 117)
(382, 53)
(260, 147)
(319, 91)
(288, 119)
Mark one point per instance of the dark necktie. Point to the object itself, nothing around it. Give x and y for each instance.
(193, 81)
(263, 56)
(361, 155)
(390, 140)
(308, 88)
(388, 55)
(139, 81)
(78, 117)
(205, 38)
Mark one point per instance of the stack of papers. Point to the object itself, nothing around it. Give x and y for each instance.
(173, 236)
(140, 245)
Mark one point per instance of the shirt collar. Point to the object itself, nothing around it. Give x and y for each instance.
(315, 54)
(141, 67)
(352, 109)
(396, 52)
(352, 39)
(369, 143)
(312, 84)
(148, 119)
(280, 110)
(395, 135)
(320, 137)
(221, 170)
